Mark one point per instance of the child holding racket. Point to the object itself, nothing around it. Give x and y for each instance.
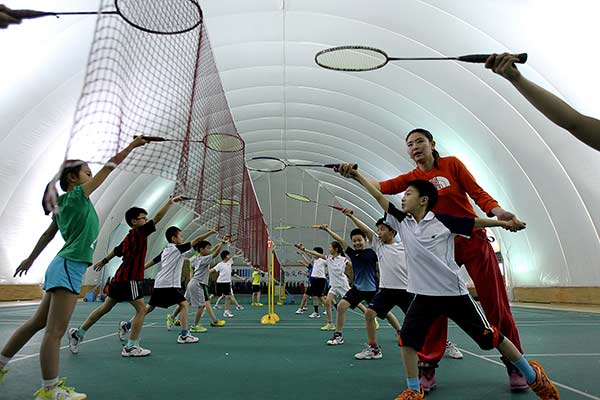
(393, 281)
(197, 290)
(439, 290)
(79, 226)
(224, 281)
(364, 267)
(339, 269)
(167, 284)
(126, 285)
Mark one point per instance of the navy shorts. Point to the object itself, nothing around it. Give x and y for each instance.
(386, 299)
(355, 296)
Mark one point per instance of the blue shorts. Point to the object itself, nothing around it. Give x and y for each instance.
(63, 273)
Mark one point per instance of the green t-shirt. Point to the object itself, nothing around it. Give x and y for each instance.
(78, 224)
(256, 278)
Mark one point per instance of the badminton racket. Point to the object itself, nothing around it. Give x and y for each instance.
(163, 17)
(306, 199)
(363, 58)
(288, 227)
(223, 202)
(274, 164)
(221, 142)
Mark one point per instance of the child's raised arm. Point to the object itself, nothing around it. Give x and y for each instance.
(301, 247)
(100, 177)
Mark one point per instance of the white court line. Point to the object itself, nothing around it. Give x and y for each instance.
(550, 355)
(579, 392)
(64, 347)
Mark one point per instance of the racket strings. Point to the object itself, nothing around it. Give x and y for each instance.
(224, 143)
(298, 197)
(161, 16)
(351, 58)
(265, 164)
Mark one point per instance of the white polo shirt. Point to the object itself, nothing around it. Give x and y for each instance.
(224, 269)
(337, 271)
(393, 272)
(429, 247)
(171, 259)
(318, 270)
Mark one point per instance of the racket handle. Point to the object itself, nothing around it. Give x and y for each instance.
(481, 58)
(152, 138)
(337, 208)
(29, 14)
(184, 198)
(334, 166)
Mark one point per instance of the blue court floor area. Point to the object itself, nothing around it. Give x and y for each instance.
(246, 360)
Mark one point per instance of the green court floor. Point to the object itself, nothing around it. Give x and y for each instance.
(246, 360)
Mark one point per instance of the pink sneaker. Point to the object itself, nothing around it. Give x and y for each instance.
(518, 383)
(427, 378)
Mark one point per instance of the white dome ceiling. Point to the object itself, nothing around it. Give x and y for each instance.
(286, 106)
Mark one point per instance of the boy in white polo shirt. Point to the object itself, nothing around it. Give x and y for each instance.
(224, 280)
(393, 281)
(434, 279)
(167, 283)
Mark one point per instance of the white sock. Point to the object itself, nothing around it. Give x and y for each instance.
(4, 360)
(50, 383)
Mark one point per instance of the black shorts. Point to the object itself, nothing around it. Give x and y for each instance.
(355, 296)
(166, 297)
(317, 287)
(424, 310)
(255, 288)
(125, 291)
(386, 299)
(223, 288)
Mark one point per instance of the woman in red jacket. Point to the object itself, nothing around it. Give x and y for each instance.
(455, 185)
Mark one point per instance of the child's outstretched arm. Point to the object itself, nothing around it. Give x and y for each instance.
(100, 264)
(509, 225)
(165, 208)
(100, 177)
(358, 223)
(43, 241)
(373, 191)
(204, 236)
(301, 247)
(334, 235)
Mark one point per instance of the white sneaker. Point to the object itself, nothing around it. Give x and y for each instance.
(135, 351)
(335, 340)
(123, 330)
(74, 340)
(314, 315)
(227, 314)
(452, 351)
(240, 307)
(369, 353)
(300, 311)
(59, 392)
(187, 339)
